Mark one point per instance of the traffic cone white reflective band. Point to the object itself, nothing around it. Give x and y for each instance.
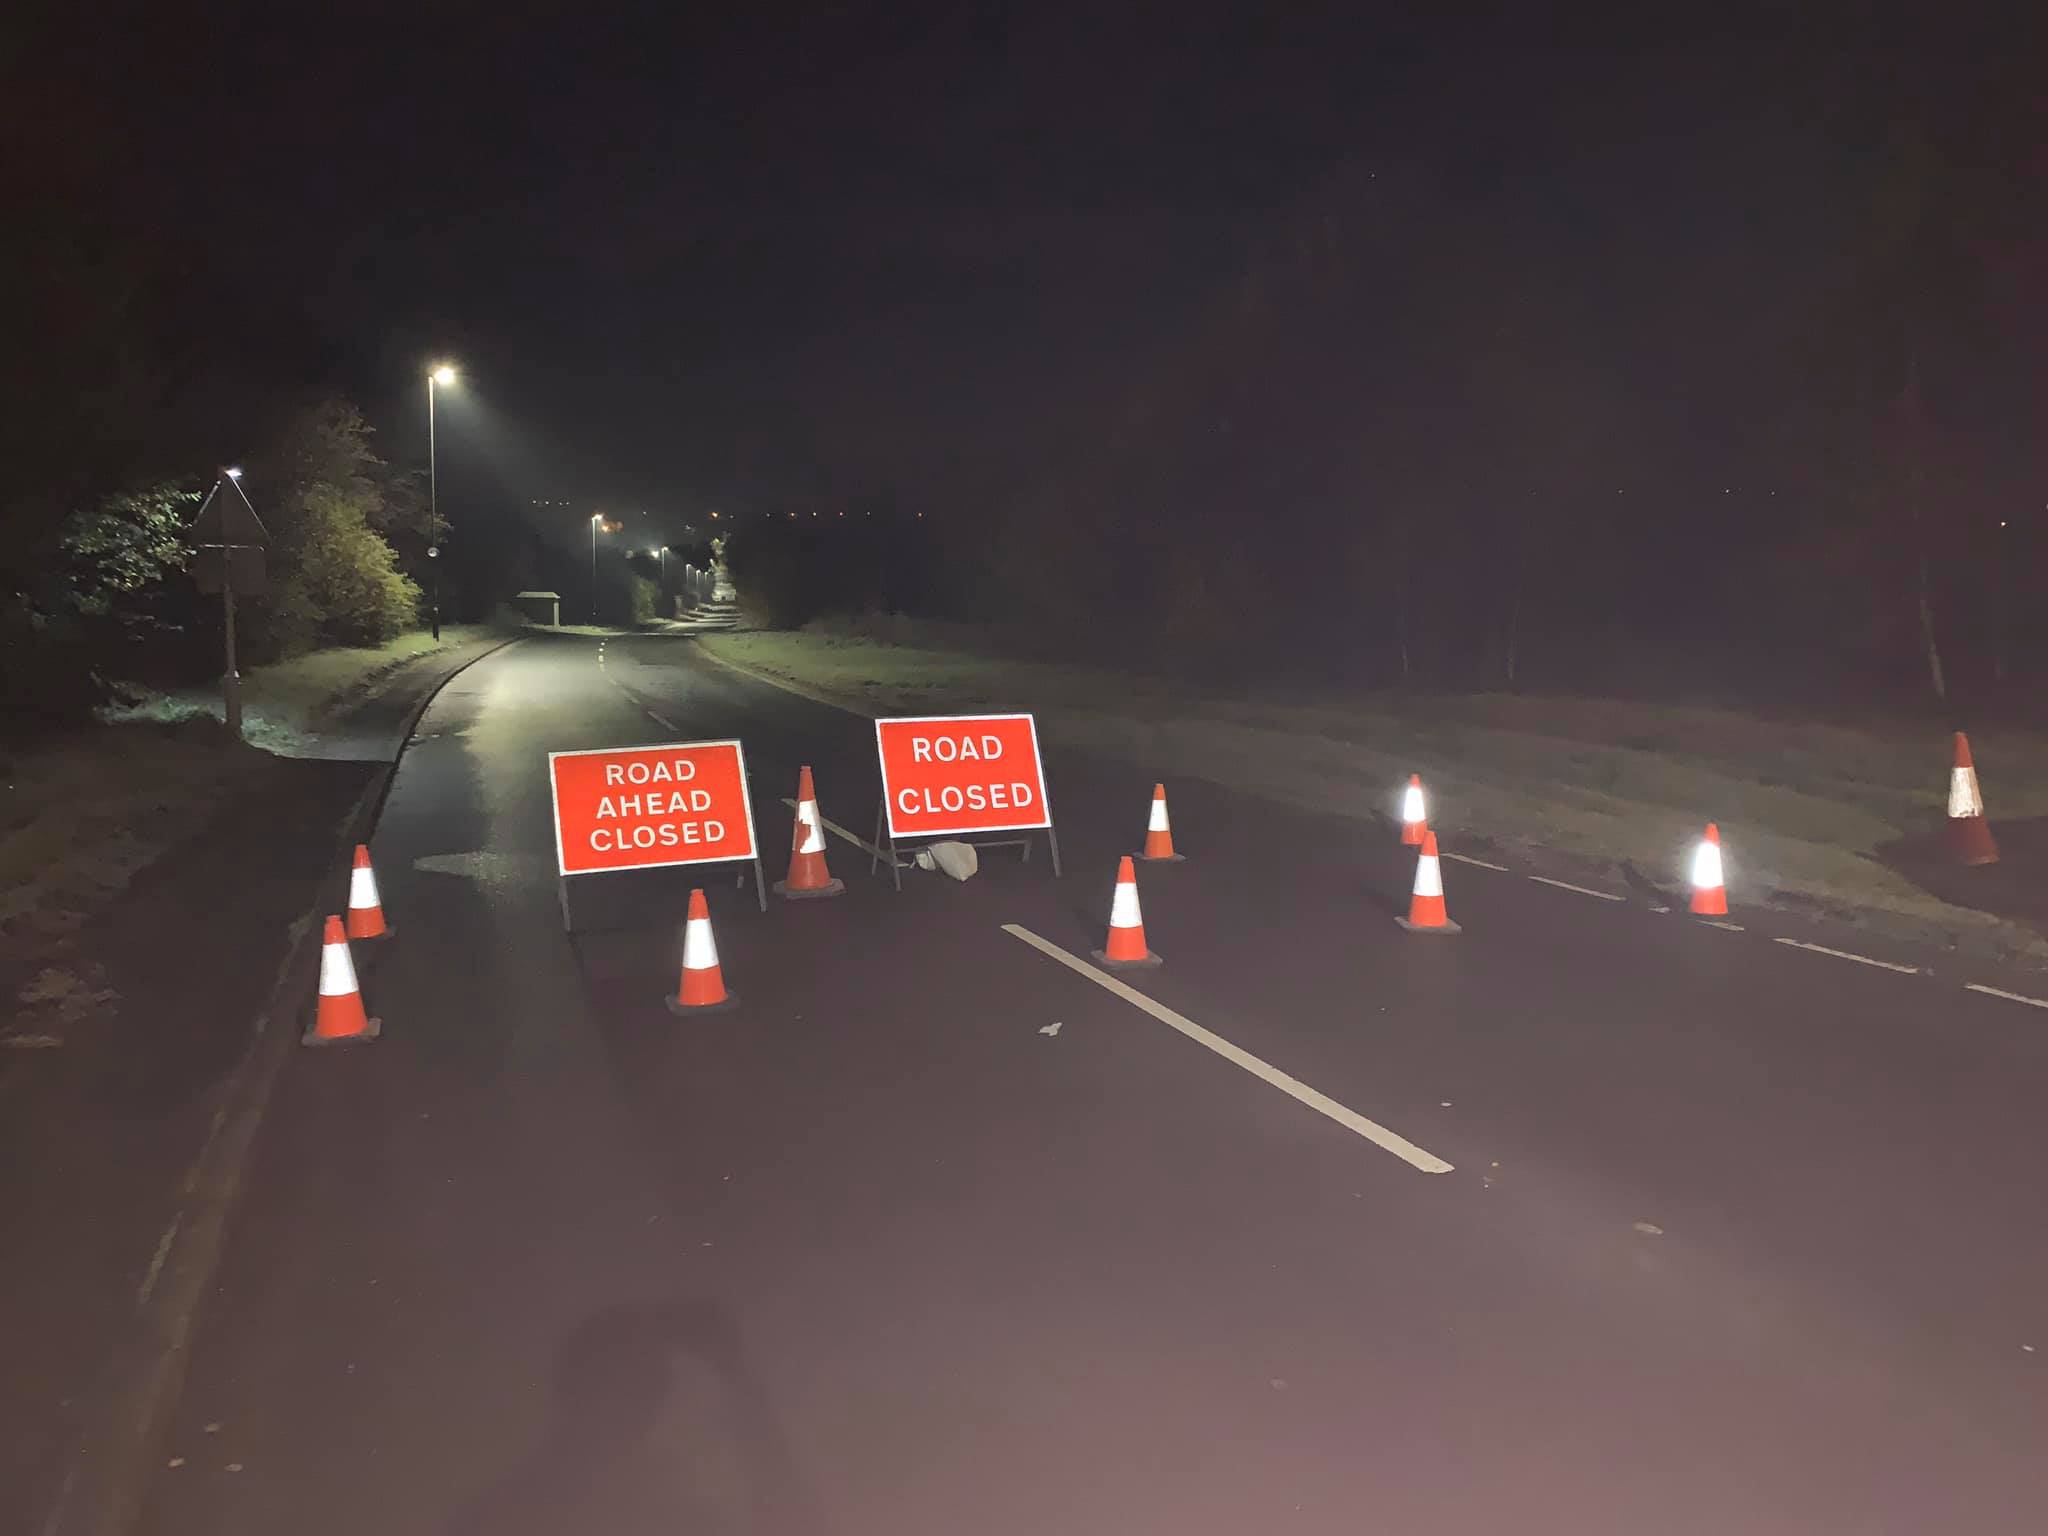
(1964, 798)
(1123, 907)
(700, 949)
(1126, 944)
(703, 984)
(1414, 814)
(1969, 834)
(1429, 876)
(1159, 823)
(365, 910)
(1709, 898)
(338, 1013)
(337, 971)
(807, 818)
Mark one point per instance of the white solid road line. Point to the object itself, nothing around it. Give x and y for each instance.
(1566, 885)
(1843, 954)
(852, 837)
(2011, 997)
(1294, 1088)
(1466, 858)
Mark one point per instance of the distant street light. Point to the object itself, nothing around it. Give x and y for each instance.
(442, 375)
(236, 474)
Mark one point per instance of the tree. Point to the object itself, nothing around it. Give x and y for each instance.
(93, 592)
(342, 584)
(114, 553)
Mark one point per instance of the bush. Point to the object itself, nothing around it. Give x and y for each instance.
(643, 599)
(344, 586)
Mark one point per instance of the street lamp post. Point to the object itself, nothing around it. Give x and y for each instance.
(441, 374)
(596, 521)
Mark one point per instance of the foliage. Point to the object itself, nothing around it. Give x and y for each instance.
(114, 552)
(643, 599)
(95, 590)
(329, 445)
(342, 585)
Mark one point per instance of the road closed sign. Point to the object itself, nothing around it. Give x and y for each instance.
(646, 807)
(951, 774)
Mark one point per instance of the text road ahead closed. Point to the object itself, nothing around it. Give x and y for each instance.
(644, 807)
(961, 773)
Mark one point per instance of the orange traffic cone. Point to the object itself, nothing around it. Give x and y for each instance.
(1159, 832)
(1414, 819)
(365, 911)
(1125, 950)
(703, 985)
(339, 1017)
(1709, 894)
(1426, 912)
(1969, 834)
(808, 875)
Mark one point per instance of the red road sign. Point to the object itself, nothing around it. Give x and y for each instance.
(648, 807)
(948, 774)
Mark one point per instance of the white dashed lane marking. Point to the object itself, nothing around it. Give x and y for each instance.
(1466, 858)
(1566, 885)
(1388, 1141)
(1843, 954)
(2010, 997)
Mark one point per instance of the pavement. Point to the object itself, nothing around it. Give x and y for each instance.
(935, 1233)
(104, 1134)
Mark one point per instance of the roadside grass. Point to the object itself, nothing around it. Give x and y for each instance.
(1804, 806)
(84, 813)
(83, 816)
(288, 700)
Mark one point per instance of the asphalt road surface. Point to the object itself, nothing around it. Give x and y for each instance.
(936, 1234)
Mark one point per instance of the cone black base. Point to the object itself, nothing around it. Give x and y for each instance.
(371, 1031)
(1101, 958)
(684, 1010)
(831, 887)
(1436, 928)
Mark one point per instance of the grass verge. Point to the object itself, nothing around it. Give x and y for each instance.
(83, 814)
(1805, 807)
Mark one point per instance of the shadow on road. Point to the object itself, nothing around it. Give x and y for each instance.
(655, 1424)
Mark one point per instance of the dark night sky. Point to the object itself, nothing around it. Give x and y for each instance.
(759, 251)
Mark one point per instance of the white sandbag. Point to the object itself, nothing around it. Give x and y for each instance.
(956, 859)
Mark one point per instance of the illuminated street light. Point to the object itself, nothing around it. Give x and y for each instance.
(234, 474)
(444, 375)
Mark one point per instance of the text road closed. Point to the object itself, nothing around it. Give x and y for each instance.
(961, 773)
(642, 807)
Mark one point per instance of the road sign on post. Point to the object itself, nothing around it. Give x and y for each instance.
(228, 539)
(628, 808)
(960, 775)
